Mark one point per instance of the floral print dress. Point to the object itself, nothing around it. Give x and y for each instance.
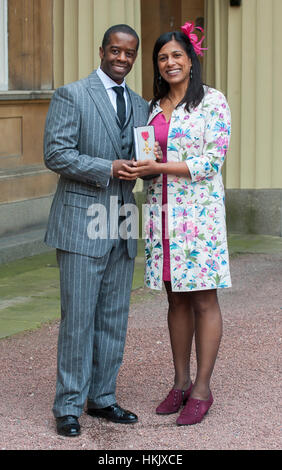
(195, 209)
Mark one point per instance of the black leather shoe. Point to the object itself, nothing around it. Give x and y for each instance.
(68, 426)
(114, 413)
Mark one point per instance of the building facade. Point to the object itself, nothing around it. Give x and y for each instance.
(47, 43)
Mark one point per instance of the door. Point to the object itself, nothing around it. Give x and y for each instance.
(158, 17)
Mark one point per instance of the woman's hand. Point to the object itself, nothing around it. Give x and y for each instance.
(158, 152)
(139, 169)
(142, 167)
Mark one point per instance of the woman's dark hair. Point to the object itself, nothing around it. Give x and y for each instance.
(195, 91)
(119, 28)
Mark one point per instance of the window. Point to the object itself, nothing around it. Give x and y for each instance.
(3, 45)
(26, 38)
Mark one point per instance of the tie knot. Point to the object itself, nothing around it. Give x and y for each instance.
(119, 90)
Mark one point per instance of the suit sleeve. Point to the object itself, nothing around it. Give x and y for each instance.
(62, 133)
(216, 138)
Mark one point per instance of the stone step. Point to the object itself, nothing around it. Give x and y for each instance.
(25, 244)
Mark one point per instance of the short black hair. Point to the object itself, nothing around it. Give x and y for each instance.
(119, 28)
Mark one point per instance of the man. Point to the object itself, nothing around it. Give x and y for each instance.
(88, 138)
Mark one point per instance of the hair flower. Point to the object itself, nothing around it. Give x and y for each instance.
(188, 29)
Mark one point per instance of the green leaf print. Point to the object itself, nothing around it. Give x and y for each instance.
(210, 145)
(191, 255)
(201, 236)
(210, 188)
(191, 285)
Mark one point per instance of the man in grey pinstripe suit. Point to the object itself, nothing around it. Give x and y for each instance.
(86, 143)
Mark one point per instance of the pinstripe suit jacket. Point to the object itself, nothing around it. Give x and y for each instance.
(81, 140)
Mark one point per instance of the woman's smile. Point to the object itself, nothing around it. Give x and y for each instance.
(173, 71)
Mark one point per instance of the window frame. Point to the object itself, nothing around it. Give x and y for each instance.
(4, 80)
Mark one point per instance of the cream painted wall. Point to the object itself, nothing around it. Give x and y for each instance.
(79, 26)
(244, 61)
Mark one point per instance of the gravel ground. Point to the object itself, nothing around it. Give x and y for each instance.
(245, 385)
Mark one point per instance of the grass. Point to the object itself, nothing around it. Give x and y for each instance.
(29, 288)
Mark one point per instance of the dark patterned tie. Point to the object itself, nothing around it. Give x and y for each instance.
(121, 111)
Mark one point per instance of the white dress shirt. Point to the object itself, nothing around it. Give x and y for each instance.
(109, 84)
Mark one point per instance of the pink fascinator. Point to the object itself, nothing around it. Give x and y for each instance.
(188, 29)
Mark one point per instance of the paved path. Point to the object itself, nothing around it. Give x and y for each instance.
(246, 380)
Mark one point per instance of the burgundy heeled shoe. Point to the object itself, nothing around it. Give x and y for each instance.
(194, 411)
(173, 401)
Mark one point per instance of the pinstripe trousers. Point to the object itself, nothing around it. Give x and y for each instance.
(95, 295)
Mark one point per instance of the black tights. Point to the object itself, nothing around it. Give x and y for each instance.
(192, 313)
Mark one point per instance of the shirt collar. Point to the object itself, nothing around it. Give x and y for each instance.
(107, 81)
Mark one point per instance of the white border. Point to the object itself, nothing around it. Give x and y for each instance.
(3, 45)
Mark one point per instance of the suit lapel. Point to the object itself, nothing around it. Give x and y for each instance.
(136, 106)
(100, 97)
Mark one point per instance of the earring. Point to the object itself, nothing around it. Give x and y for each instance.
(159, 78)
(191, 73)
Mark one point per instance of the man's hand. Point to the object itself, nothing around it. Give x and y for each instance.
(139, 169)
(119, 165)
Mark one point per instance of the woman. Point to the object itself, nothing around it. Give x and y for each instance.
(186, 244)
